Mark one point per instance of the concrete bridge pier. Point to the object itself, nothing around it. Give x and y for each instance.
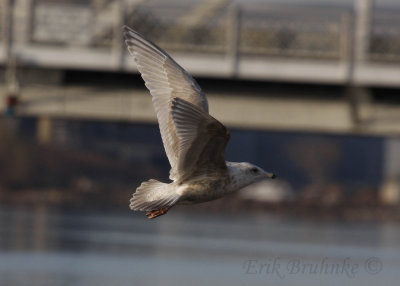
(390, 190)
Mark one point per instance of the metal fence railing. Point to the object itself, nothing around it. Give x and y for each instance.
(220, 27)
(290, 35)
(385, 37)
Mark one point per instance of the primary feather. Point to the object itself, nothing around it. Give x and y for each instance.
(165, 80)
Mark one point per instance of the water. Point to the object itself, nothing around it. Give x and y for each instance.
(39, 246)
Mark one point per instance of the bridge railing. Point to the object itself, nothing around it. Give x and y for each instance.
(87, 34)
(385, 37)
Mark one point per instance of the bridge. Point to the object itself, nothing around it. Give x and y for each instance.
(351, 44)
(338, 44)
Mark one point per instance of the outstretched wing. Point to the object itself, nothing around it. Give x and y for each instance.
(202, 140)
(165, 80)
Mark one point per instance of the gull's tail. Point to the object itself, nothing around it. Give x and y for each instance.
(153, 195)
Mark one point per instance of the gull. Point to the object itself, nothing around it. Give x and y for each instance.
(194, 141)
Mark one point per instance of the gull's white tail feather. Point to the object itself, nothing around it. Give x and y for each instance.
(153, 195)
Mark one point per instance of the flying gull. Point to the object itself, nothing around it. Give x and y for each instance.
(193, 140)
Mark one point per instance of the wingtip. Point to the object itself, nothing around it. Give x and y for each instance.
(125, 28)
(130, 34)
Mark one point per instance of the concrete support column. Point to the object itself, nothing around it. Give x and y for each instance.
(363, 10)
(233, 30)
(43, 130)
(118, 46)
(390, 191)
(360, 99)
(23, 13)
(359, 96)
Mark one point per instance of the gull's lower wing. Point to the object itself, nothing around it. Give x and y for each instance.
(202, 140)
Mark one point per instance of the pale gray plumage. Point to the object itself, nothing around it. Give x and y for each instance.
(202, 139)
(193, 140)
(165, 80)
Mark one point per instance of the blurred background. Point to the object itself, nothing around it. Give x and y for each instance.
(310, 90)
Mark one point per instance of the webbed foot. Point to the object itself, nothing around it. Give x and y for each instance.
(157, 213)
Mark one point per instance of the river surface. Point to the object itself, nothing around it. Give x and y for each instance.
(42, 246)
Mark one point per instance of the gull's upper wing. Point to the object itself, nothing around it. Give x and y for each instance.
(202, 141)
(165, 80)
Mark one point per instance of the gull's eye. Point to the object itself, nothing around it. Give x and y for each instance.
(254, 170)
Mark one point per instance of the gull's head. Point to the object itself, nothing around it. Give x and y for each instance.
(257, 173)
(247, 173)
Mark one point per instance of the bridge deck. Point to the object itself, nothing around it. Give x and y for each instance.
(338, 44)
(272, 112)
